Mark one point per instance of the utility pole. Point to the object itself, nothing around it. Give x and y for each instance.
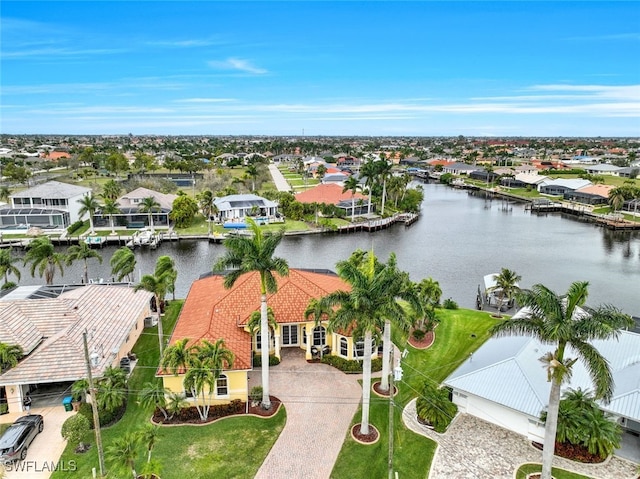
(94, 405)
(391, 412)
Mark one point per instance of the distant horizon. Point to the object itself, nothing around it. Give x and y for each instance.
(481, 69)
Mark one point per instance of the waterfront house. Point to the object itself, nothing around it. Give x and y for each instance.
(590, 195)
(458, 168)
(561, 186)
(505, 383)
(603, 169)
(48, 323)
(51, 206)
(213, 312)
(235, 208)
(332, 194)
(130, 215)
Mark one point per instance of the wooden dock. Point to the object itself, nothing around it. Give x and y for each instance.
(376, 225)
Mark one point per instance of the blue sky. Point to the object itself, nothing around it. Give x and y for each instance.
(325, 68)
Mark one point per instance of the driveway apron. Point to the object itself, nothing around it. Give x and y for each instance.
(320, 403)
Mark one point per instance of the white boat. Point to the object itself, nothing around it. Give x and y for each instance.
(144, 237)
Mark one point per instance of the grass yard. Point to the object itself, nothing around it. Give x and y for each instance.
(413, 453)
(526, 469)
(196, 452)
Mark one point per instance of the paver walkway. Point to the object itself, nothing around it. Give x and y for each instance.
(278, 178)
(320, 403)
(473, 448)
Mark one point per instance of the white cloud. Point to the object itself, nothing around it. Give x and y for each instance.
(237, 64)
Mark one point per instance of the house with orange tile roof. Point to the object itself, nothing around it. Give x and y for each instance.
(591, 194)
(332, 194)
(212, 312)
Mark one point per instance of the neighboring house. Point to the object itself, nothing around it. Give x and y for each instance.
(603, 169)
(561, 186)
(332, 194)
(48, 322)
(234, 208)
(523, 180)
(335, 177)
(130, 214)
(527, 169)
(505, 383)
(590, 195)
(458, 168)
(51, 205)
(213, 312)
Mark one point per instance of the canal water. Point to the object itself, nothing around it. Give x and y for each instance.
(459, 238)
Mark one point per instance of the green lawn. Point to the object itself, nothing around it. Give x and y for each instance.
(526, 469)
(412, 453)
(195, 452)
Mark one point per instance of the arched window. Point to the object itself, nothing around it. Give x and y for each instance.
(259, 340)
(344, 347)
(319, 336)
(222, 386)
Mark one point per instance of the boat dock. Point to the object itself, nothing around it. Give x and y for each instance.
(376, 225)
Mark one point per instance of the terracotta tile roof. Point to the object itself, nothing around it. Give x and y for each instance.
(212, 312)
(329, 193)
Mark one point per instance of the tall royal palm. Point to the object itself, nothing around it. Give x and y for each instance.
(149, 205)
(369, 172)
(205, 201)
(7, 265)
(361, 310)
(564, 322)
(383, 172)
(255, 253)
(82, 252)
(43, 257)
(158, 287)
(88, 204)
(351, 184)
(110, 208)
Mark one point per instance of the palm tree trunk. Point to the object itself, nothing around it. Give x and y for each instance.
(386, 355)
(86, 272)
(550, 429)
(353, 208)
(91, 230)
(384, 195)
(264, 352)
(366, 383)
(151, 222)
(160, 331)
(113, 227)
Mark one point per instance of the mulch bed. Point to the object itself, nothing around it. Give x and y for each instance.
(380, 392)
(190, 415)
(573, 452)
(366, 438)
(424, 343)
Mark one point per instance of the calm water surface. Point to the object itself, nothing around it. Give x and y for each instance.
(458, 239)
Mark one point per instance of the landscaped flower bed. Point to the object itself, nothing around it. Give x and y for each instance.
(190, 415)
(574, 452)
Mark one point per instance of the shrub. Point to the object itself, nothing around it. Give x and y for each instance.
(75, 427)
(257, 360)
(107, 418)
(350, 365)
(435, 408)
(75, 227)
(8, 285)
(419, 334)
(449, 304)
(256, 393)
(4, 408)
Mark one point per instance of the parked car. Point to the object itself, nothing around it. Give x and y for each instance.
(19, 436)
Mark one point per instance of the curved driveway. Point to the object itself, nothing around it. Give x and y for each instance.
(473, 448)
(320, 403)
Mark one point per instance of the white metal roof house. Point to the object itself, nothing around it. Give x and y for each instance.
(49, 324)
(505, 383)
(237, 207)
(51, 205)
(561, 186)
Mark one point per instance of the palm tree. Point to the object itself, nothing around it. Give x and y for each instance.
(368, 170)
(383, 171)
(205, 201)
(245, 255)
(123, 452)
(429, 293)
(6, 264)
(110, 396)
(149, 436)
(158, 287)
(10, 354)
(252, 171)
(319, 312)
(176, 357)
(89, 205)
(433, 406)
(111, 190)
(123, 263)
(167, 272)
(154, 394)
(616, 199)
(506, 286)
(361, 310)
(564, 321)
(351, 184)
(82, 251)
(149, 205)
(110, 208)
(43, 257)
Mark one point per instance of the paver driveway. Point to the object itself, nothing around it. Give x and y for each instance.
(320, 403)
(473, 448)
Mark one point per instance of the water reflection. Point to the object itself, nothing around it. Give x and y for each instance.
(459, 238)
